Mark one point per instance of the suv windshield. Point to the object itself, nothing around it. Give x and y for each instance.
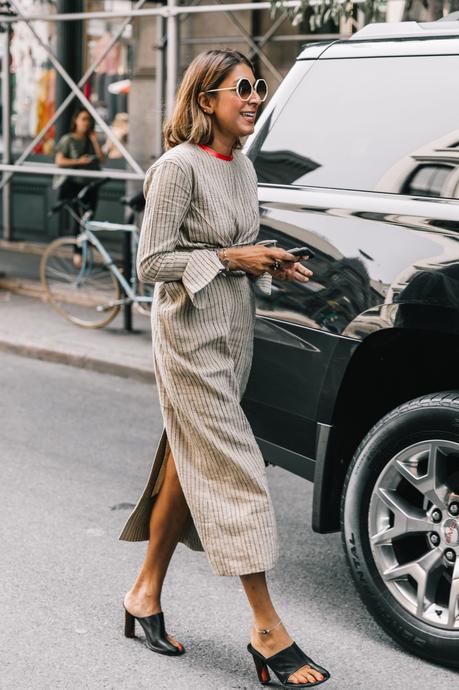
(373, 124)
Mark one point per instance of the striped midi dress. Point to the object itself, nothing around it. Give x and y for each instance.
(202, 323)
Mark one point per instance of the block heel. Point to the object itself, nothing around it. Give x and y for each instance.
(283, 664)
(155, 632)
(129, 624)
(262, 671)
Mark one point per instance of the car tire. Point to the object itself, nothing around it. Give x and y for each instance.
(406, 465)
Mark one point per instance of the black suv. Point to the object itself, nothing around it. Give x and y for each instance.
(355, 377)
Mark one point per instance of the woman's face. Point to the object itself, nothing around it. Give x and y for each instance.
(232, 116)
(83, 122)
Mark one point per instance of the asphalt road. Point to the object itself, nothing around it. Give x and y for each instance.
(75, 446)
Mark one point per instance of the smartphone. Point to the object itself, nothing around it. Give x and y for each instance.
(299, 251)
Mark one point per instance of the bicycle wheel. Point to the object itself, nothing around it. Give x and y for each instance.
(80, 294)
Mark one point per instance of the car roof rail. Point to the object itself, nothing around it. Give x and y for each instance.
(446, 26)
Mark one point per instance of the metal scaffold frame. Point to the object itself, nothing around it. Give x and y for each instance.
(171, 14)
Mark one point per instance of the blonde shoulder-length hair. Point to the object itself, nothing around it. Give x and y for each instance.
(188, 122)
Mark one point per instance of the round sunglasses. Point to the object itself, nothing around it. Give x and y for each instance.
(244, 89)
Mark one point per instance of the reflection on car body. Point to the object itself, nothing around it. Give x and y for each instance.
(432, 170)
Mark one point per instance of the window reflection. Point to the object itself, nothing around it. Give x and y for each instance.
(339, 290)
(431, 170)
(354, 138)
(428, 180)
(287, 165)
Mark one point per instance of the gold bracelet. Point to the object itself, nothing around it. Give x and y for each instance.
(226, 260)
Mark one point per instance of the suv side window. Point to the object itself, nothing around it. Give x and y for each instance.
(367, 124)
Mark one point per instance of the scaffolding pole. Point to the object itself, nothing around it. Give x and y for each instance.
(159, 83)
(6, 129)
(171, 56)
(164, 11)
(47, 169)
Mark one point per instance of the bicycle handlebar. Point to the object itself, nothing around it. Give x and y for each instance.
(135, 201)
(92, 185)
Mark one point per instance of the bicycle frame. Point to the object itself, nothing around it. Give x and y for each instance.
(90, 227)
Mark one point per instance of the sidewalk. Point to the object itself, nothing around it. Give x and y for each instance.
(31, 328)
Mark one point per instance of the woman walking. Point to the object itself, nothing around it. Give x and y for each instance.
(207, 486)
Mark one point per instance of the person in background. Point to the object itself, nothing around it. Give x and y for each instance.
(78, 149)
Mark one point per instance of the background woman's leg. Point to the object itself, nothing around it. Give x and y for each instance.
(168, 519)
(265, 616)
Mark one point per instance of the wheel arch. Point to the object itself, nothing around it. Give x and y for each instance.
(387, 369)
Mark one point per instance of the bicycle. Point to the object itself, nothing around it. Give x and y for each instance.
(91, 295)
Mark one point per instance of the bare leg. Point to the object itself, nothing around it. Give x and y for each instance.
(168, 519)
(265, 616)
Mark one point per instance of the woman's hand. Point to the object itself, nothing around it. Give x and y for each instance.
(257, 259)
(99, 153)
(84, 159)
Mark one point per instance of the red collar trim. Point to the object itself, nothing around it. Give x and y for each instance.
(215, 153)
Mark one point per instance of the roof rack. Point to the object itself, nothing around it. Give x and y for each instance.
(446, 26)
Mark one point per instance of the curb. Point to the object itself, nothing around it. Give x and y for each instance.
(22, 286)
(23, 247)
(80, 361)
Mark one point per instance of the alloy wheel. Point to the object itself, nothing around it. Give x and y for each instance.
(414, 530)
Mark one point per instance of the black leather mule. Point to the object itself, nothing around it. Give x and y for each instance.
(155, 633)
(284, 663)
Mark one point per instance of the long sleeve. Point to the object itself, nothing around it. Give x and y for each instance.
(168, 191)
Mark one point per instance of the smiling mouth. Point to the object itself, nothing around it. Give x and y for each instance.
(249, 116)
